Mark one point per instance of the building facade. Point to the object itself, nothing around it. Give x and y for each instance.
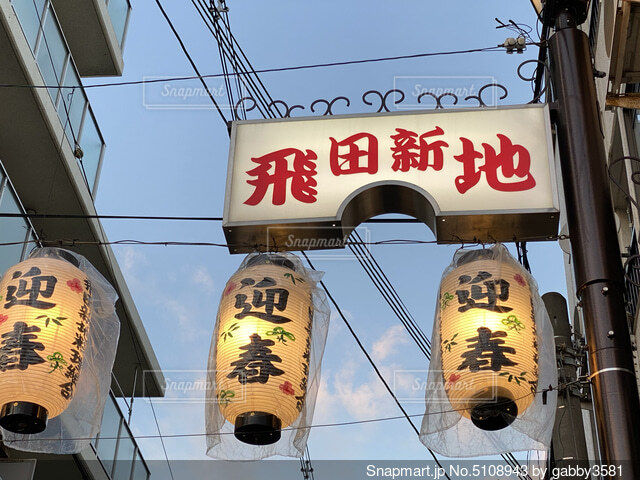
(51, 153)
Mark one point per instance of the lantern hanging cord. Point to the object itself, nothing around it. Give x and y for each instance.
(375, 368)
(319, 425)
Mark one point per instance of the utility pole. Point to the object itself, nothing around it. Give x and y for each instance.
(594, 243)
(569, 448)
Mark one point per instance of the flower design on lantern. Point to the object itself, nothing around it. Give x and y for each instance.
(287, 388)
(30, 352)
(490, 359)
(75, 285)
(262, 351)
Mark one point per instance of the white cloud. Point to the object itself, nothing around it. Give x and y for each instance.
(203, 279)
(132, 259)
(388, 343)
(182, 318)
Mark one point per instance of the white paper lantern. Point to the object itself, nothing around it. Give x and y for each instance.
(263, 348)
(44, 321)
(264, 363)
(488, 341)
(493, 360)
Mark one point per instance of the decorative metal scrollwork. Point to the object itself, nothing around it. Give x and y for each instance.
(383, 98)
(395, 99)
(438, 98)
(287, 108)
(481, 102)
(329, 104)
(241, 104)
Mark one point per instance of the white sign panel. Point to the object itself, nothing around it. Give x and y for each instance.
(487, 172)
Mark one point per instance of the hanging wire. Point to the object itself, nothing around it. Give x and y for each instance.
(193, 65)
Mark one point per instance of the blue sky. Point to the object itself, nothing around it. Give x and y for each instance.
(173, 162)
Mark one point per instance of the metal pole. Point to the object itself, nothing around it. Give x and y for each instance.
(594, 246)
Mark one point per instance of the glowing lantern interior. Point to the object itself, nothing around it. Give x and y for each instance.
(44, 319)
(488, 341)
(264, 325)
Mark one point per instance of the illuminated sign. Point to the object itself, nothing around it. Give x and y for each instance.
(476, 174)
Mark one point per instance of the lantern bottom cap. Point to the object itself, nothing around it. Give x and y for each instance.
(257, 428)
(494, 414)
(23, 417)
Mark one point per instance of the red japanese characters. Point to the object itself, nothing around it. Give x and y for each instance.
(504, 164)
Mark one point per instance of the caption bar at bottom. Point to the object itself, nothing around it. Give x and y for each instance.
(494, 471)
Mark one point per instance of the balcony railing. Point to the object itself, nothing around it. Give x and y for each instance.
(116, 447)
(51, 53)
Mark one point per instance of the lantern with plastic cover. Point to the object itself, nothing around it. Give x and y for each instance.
(488, 340)
(262, 355)
(44, 319)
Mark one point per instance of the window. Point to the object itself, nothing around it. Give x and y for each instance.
(12, 229)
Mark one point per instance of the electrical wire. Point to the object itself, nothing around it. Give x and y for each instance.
(266, 70)
(193, 65)
(164, 448)
(169, 243)
(389, 293)
(319, 425)
(244, 71)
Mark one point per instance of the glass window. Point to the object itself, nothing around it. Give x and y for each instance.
(52, 53)
(29, 12)
(33, 243)
(92, 145)
(11, 230)
(119, 11)
(124, 462)
(107, 438)
(71, 103)
(140, 471)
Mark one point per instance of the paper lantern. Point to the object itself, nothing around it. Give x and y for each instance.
(265, 355)
(488, 340)
(44, 320)
(492, 358)
(263, 348)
